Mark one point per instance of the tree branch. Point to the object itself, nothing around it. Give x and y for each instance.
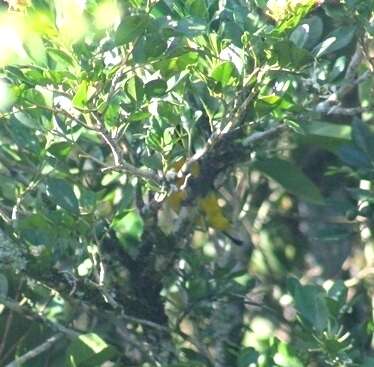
(138, 172)
(36, 351)
(331, 104)
(30, 314)
(261, 135)
(233, 120)
(119, 163)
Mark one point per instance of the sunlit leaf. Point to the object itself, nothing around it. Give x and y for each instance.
(223, 73)
(129, 227)
(80, 97)
(89, 350)
(131, 27)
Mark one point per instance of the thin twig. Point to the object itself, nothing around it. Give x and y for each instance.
(119, 75)
(65, 113)
(146, 174)
(101, 288)
(119, 163)
(13, 347)
(30, 314)
(145, 322)
(36, 351)
(113, 147)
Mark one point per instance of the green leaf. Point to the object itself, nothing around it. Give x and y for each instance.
(294, 19)
(155, 88)
(130, 28)
(111, 116)
(34, 46)
(335, 41)
(139, 116)
(154, 46)
(89, 350)
(60, 56)
(310, 305)
(88, 199)
(338, 68)
(287, 53)
(197, 8)
(232, 31)
(129, 227)
(247, 356)
(300, 35)
(36, 76)
(60, 150)
(134, 88)
(354, 157)
(24, 137)
(315, 32)
(34, 96)
(190, 27)
(363, 137)
(174, 65)
(15, 73)
(287, 356)
(59, 76)
(80, 97)
(265, 104)
(308, 33)
(37, 229)
(8, 188)
(223, 73)
(328, 130)
(61, 193)
(271, 99)
(291, 178)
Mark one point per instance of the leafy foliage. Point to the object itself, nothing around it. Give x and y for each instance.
(186, 183)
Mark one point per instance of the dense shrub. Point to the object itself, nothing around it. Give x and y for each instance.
(186, 183)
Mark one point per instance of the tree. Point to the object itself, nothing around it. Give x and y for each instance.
(186, 183)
